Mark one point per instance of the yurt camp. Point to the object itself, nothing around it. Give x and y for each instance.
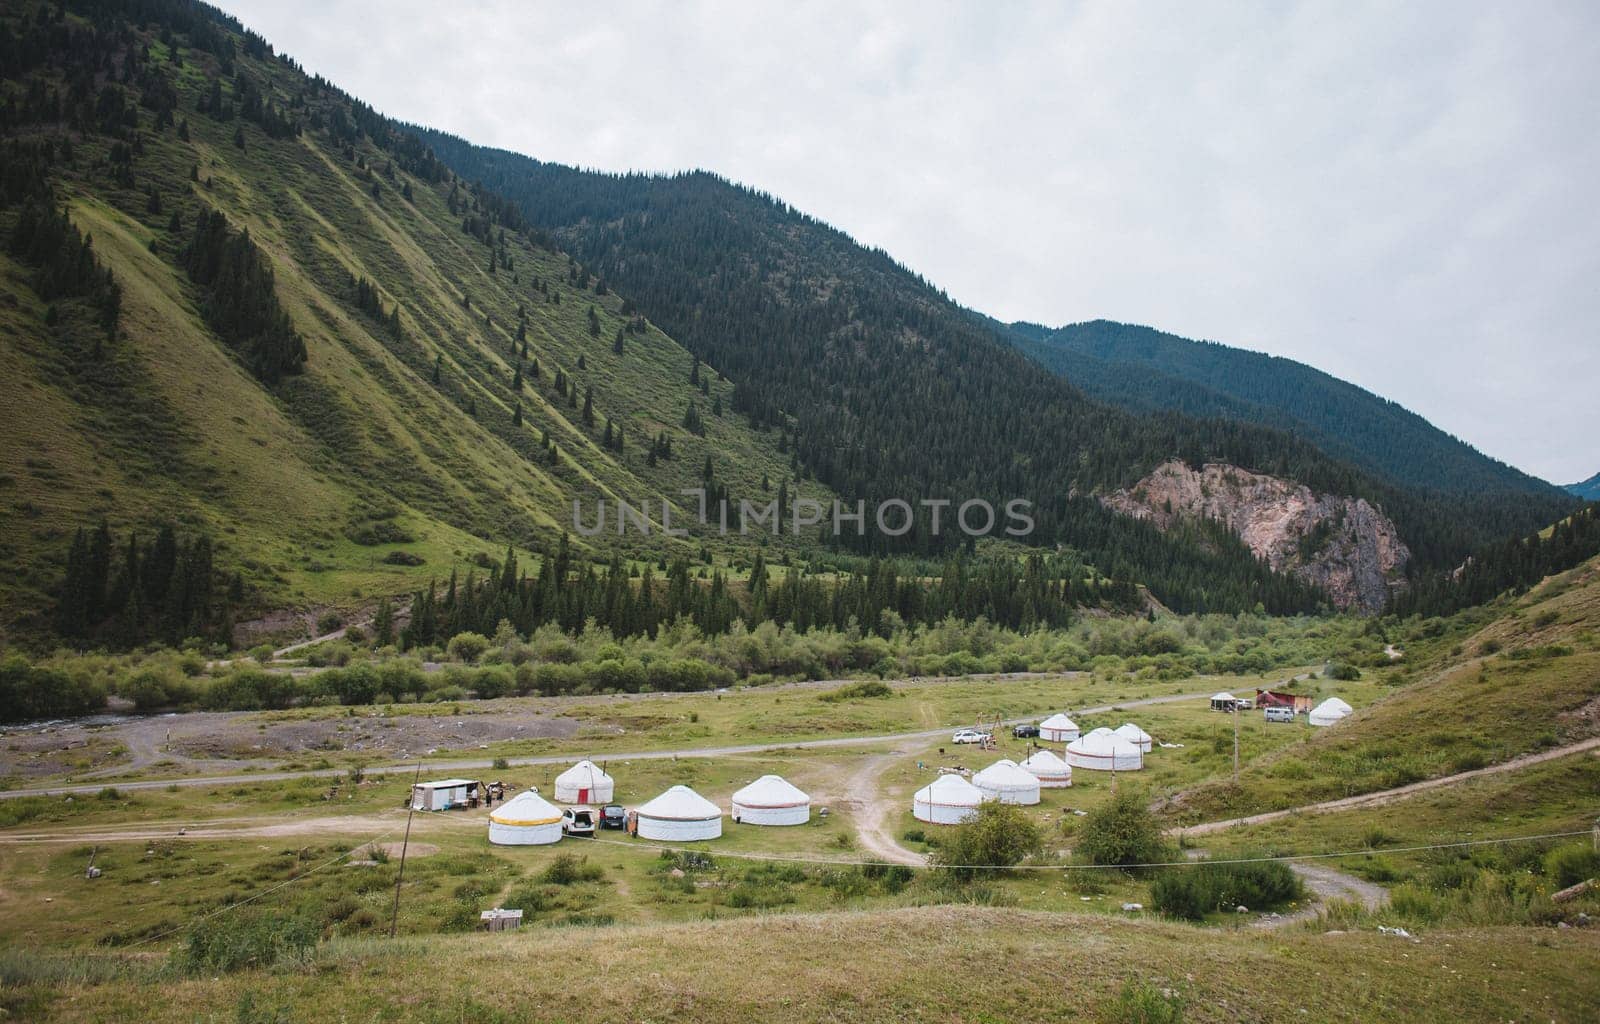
(1104, 751)
(771, 800)
(680, 815)
(1050, 770)
(1058, 728)
(947, 800)
(527, 819)
(1135, 735)
(1006, 782)
(1330, 711)
(585, 783)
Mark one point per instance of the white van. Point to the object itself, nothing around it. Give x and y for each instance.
(1279, 714)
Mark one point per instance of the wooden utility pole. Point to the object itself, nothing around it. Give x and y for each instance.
(400, 876)
(1235, 743)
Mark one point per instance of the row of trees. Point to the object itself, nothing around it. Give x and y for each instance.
(241, 302)
(1015, 593)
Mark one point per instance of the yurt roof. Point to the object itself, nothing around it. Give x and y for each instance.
(1058, 721)
(528, 808)
(1130, 731)
(1102, 731)
(771, 791)
(1331, 706)
(1005, 774)
(584, 772)
(1045, 761)
(950, 789)
(1103, 744)
(680, 803)
(1223, 696)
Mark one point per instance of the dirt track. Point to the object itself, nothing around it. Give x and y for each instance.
(1385, 796)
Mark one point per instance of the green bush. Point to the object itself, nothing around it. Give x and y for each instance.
(1192, 893)
(568, 869)
(1122, 832)
(867, 690)
(999, 835)
(1569, 865)
(1141, 1003)
(236, 940)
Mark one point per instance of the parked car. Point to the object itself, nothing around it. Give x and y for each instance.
(1026, 731)
(577, 821)
(613, 816)
(1279, 714)
(970, 736)
(1244, 703)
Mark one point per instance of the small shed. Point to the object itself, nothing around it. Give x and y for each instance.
(1224, 702)
(445, 794)
(500, 920)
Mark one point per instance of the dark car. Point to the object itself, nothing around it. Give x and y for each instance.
(1025, 732)
(613, 816)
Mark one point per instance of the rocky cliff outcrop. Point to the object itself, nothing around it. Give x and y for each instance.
(1343, 545)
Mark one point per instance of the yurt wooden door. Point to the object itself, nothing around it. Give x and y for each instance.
(583, 795)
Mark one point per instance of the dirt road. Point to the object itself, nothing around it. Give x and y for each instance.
(1385, 796)
(870, 807)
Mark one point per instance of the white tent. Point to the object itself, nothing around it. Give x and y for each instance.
(1050, 770)
(1135, 735)
(1224, 702)
(771, 800)
(1101, 731)
(947, 800)
(1006, 782)
(1330, 711)
(680, 814)
(1104, 752)
(1058, 728)
(585, 783)
(527, 819)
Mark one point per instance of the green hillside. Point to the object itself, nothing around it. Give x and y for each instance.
(402, 433)
(1145, 369)
(1588, 490)
(860, 352)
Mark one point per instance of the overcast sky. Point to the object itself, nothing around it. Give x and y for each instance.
(1404, 196)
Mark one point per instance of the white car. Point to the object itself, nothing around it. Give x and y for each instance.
(577, 821)
(970, 736)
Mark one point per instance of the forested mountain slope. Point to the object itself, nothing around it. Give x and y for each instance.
(1588, 490)
(274, 322)
(1142, 368)
(889, 386)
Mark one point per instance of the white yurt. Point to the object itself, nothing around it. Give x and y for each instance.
(1135, 735)
(771, 800)
(1330, 711)
(680, 814)
(1050, 770)
(1058, 728)
(1006, 782)
(527, 819)
(1104, 752)
(1102, 731)
(947, 800)
(585, 783)
(1224, 701)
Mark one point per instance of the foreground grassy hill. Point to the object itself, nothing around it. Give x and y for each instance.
(936, 963)
(403, 432)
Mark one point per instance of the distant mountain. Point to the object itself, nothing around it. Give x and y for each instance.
(1588, 490)
(1145, 369)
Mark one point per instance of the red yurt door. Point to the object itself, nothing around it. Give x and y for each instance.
(583, 796)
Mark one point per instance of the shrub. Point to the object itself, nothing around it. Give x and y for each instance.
(501, 764)
(1000, 835)
(1141, 1003)
(237, 940)
(867, 690)
(1122, 832)
(1341, 670)
(568, 868)
(1569, 865)
(467, 647)
(1192, 893)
